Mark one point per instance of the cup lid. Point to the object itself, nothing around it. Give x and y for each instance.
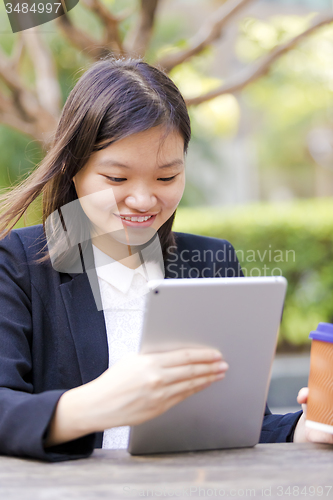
(324, 332)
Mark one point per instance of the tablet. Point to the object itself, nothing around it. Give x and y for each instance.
(241, 318)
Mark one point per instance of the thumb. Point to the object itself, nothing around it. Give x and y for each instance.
(302, 399)
(303, 395)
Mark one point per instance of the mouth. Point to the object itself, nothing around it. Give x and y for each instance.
(137, 220)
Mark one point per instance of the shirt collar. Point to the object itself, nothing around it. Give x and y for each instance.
(120, 276)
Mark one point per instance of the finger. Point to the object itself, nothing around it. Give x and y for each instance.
(315, 436)
(303, 395)
(176, 374)
(178, 397)
(187, 387)
(304, 408)
(188, 356)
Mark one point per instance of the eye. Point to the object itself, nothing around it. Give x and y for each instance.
(166, 179)
(116, 179)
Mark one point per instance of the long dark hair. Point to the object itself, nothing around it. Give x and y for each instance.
(115, 98)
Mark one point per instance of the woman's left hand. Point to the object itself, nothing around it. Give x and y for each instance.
(304, 434)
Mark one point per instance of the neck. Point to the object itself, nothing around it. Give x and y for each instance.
(117, 251)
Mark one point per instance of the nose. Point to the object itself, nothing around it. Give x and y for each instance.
(142, 200)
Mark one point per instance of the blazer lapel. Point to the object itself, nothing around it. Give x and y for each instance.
(87, 327)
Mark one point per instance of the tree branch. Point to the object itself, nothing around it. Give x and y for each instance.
(10, 117)
(258, 69)
(7, 72)
(124, 14)
(93, 48)
(17, 53)
(47, 85)
(139, 39)
(111, 23)
(23, 111)
(209, 32)
(26, 100)
(40, 127)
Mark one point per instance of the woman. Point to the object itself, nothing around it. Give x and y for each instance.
(111, 181)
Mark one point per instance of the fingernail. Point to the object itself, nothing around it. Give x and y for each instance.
(223, 366)
(219, 376)
(217, 355)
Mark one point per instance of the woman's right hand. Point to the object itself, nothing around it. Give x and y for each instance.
(136, 389)
(141, 386)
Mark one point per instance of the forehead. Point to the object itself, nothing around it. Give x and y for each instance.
(153, 145)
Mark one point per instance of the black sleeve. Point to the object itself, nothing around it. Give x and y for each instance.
(24, 415)
(279, 428)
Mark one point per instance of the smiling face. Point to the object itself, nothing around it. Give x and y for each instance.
(132, 187)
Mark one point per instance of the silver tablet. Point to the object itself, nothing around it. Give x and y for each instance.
(241, 318)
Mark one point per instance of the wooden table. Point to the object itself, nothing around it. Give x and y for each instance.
(283, 470)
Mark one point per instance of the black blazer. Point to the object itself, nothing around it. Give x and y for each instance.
(53, 338)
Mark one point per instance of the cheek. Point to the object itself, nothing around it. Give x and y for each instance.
(175, 194)
(89, 183)
(84, 184)
(99, 204)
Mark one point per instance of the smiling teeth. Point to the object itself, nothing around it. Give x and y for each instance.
(136, 219)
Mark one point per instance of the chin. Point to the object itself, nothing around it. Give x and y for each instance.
(134, 236)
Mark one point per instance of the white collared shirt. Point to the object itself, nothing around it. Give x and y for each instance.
(123, 293)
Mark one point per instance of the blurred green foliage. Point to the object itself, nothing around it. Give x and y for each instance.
(283, 107)
(292, 239)
(294, 98)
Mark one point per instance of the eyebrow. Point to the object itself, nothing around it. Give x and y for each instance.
(111, 163)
